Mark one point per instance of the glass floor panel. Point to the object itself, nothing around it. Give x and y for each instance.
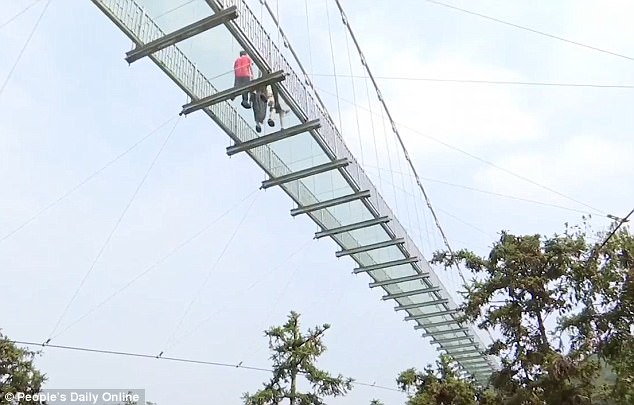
(384, 254)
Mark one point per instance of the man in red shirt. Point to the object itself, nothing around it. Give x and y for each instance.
(243, 75)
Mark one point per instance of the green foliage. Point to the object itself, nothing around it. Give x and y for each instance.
(376, 402)
(527, 281)
(442, 386)
(294, 355)
(17, 372)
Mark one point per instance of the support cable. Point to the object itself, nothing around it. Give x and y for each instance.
(173, 359)
(354, 94)
(482, 160)
(155, 265)
(26, 44)
(529, 29)
(83, 182)
(389, 160)
(210, 272)
(310, 49)
(264, 276)
(334, 67)
(509, 82)
(396, 132)
(478, 190)
(114, 229)
(376, 149)
(171, 10)
(395, 129)
(24, 10)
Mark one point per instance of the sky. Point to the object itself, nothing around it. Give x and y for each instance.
(73, 104)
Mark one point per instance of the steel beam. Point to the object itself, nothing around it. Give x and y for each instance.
(453, 339)
(366, 248)
(431, 315)
(471, 357)
(300, 174)
(466, 355)
(460, 346)
(399, 280)
(330, 203)
(225, 95)
(483, 370)
(446, 332)
(409, 294)
(352, 227)
(182, 34)
(422, 304)
(432, 325)
(385, 265)
(479, 369)
(274, 137)
(472, 360)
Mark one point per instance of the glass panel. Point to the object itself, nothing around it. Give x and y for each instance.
(351, 212)
(385, 255)
(369, 235)
(297, 152)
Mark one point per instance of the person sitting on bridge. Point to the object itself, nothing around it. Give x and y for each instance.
(243, 75)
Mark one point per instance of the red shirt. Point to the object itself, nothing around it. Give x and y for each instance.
(242, 66)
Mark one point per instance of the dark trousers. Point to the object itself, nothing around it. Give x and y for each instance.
(258, 103)
(241, 81)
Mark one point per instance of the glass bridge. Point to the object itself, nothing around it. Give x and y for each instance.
(308, 158)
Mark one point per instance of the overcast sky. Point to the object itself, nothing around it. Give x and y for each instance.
(73, 104)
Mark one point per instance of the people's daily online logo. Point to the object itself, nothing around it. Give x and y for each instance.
(76, 397)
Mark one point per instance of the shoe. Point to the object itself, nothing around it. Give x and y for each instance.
(246, 104)
(271, 123)
(258, 128)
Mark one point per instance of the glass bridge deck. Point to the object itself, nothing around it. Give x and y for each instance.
(308, 160)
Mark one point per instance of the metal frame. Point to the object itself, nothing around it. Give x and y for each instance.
(352, 227)
(330, 203)
(385, 265)
(273, 137)
(470, 355)
(446, 332)
(403, 279)
(441, 301)
(433, 324)
(460, 346)
(433, 314)
(182, 34)
(300, 174)
(367, 248)
(404, 294)
(232, 92)
(452, 339)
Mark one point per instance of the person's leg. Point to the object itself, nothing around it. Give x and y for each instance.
(241, 81)
(271, 105)
(259, 111)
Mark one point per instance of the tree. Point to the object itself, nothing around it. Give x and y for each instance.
(376, 402)
(17, 372)
(523, 283)
(442, 386)
(294, 355)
